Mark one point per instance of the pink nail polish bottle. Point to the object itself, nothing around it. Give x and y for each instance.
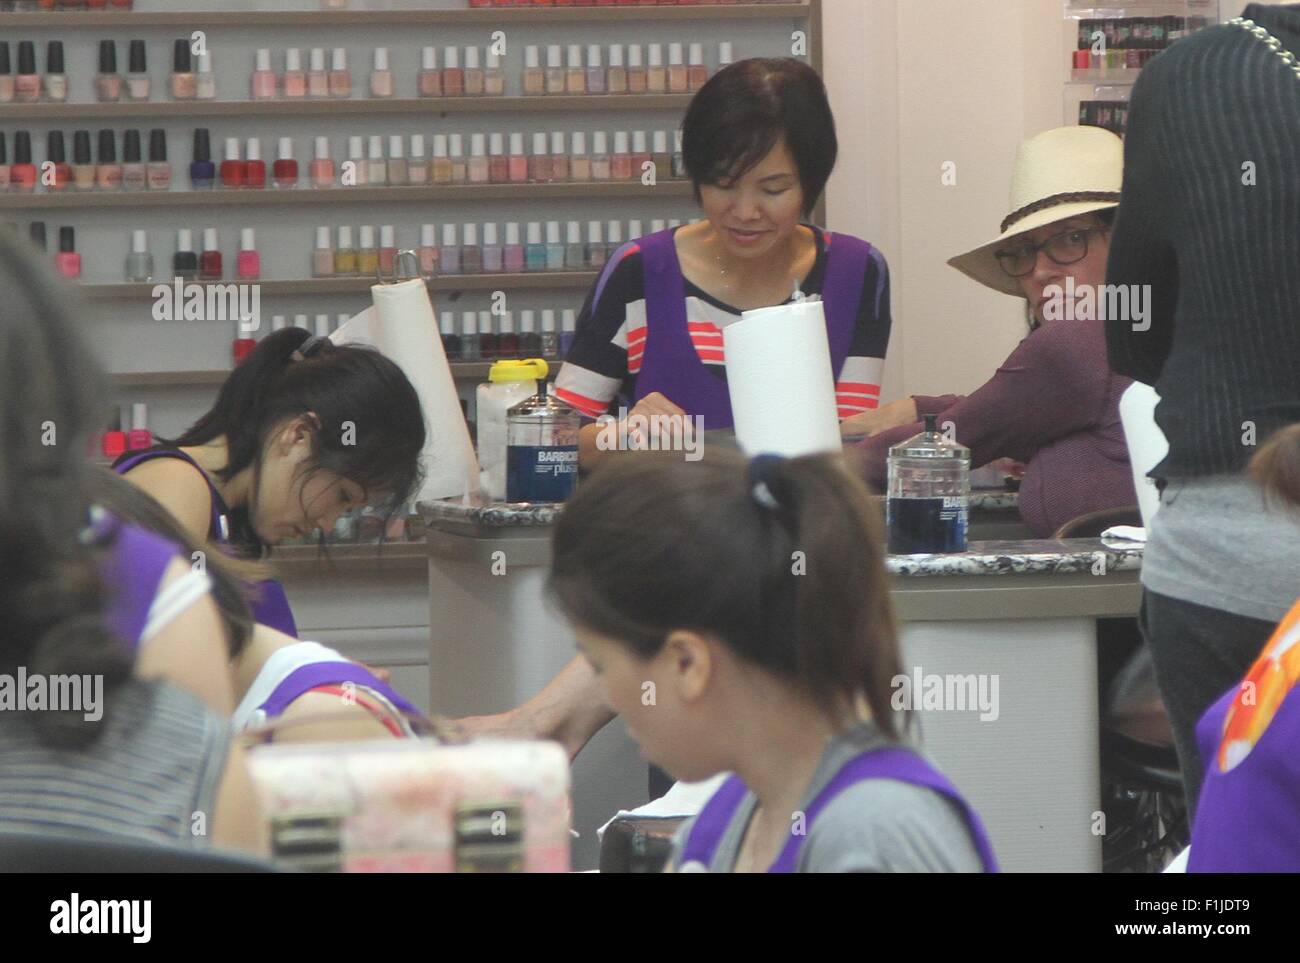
(264, 84)
(295, 80)
(248, 264)
(322, 165)
(139, 436)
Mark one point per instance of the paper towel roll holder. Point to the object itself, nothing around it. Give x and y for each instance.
(397, 261)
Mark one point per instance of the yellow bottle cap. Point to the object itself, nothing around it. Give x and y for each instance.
(529, 369)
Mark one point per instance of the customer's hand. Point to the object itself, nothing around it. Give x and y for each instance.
(868, 423)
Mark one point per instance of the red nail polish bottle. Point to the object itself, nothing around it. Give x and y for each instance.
(114, 441)
(286, 168)
(210, 259)
(232, 168)
(254, 166)
(242, 345)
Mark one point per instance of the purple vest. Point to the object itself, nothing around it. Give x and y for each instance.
(272, 605)
(900, 764)
(1248, 818)
(132, 569)
(308, 677)
(670, 364)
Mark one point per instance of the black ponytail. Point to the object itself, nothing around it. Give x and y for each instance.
(370, 427)
(786, 566)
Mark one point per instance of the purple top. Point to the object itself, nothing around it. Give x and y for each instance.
(272, 606)
(1054, 405)
(671, 364)
(1249, 808)
(132, 570)
(900, 764)
(308, 677)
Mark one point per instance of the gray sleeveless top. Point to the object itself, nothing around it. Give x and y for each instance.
(155, 766)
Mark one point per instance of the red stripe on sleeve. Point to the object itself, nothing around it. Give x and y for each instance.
(588, 406)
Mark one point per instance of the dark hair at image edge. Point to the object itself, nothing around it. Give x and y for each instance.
(370, 426)
(54, 398)
(652, 543)
(738, 116)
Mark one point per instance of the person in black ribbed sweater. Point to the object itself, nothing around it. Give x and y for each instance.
(1210, 219)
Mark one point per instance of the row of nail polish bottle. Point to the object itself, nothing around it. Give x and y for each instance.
(479, 338)
(546, 246)
(453, 80)
(85, 173)
(295, 83)
(23, 6)
(566, 73)
(67, 261)
(28, 86)
(316, 82)
(118, 438)
(187, 82)
(243, 345)
(189, 265)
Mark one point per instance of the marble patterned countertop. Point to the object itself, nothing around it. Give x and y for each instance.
(1046, 556)
(1021, 557)
(524, 515)
(484, 514)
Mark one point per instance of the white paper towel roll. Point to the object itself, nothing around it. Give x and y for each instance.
(402, 325)
(780, 379)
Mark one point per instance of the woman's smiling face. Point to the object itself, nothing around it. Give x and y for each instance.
(757, 212)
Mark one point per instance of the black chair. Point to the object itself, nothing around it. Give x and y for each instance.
(638, 844)
(31, 853)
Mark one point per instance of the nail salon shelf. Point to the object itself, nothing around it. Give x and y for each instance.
(491, 16)
(539, 280)
(198, 379)
(367, 106)
(271, 197)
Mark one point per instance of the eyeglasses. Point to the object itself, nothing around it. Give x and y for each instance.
(1068, 247)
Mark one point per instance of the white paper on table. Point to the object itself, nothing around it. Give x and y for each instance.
(780, 380)
(681, 799)
(1147, 444)
(402, 325)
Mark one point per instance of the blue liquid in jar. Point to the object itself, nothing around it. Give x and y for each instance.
(926, 526)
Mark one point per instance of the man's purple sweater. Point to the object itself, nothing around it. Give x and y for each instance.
(1054, 405)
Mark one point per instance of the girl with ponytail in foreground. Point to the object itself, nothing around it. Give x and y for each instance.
(738, 620)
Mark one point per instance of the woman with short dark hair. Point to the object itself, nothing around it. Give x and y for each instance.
(759, 143)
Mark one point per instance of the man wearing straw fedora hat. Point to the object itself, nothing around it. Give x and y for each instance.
(1054, 403)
